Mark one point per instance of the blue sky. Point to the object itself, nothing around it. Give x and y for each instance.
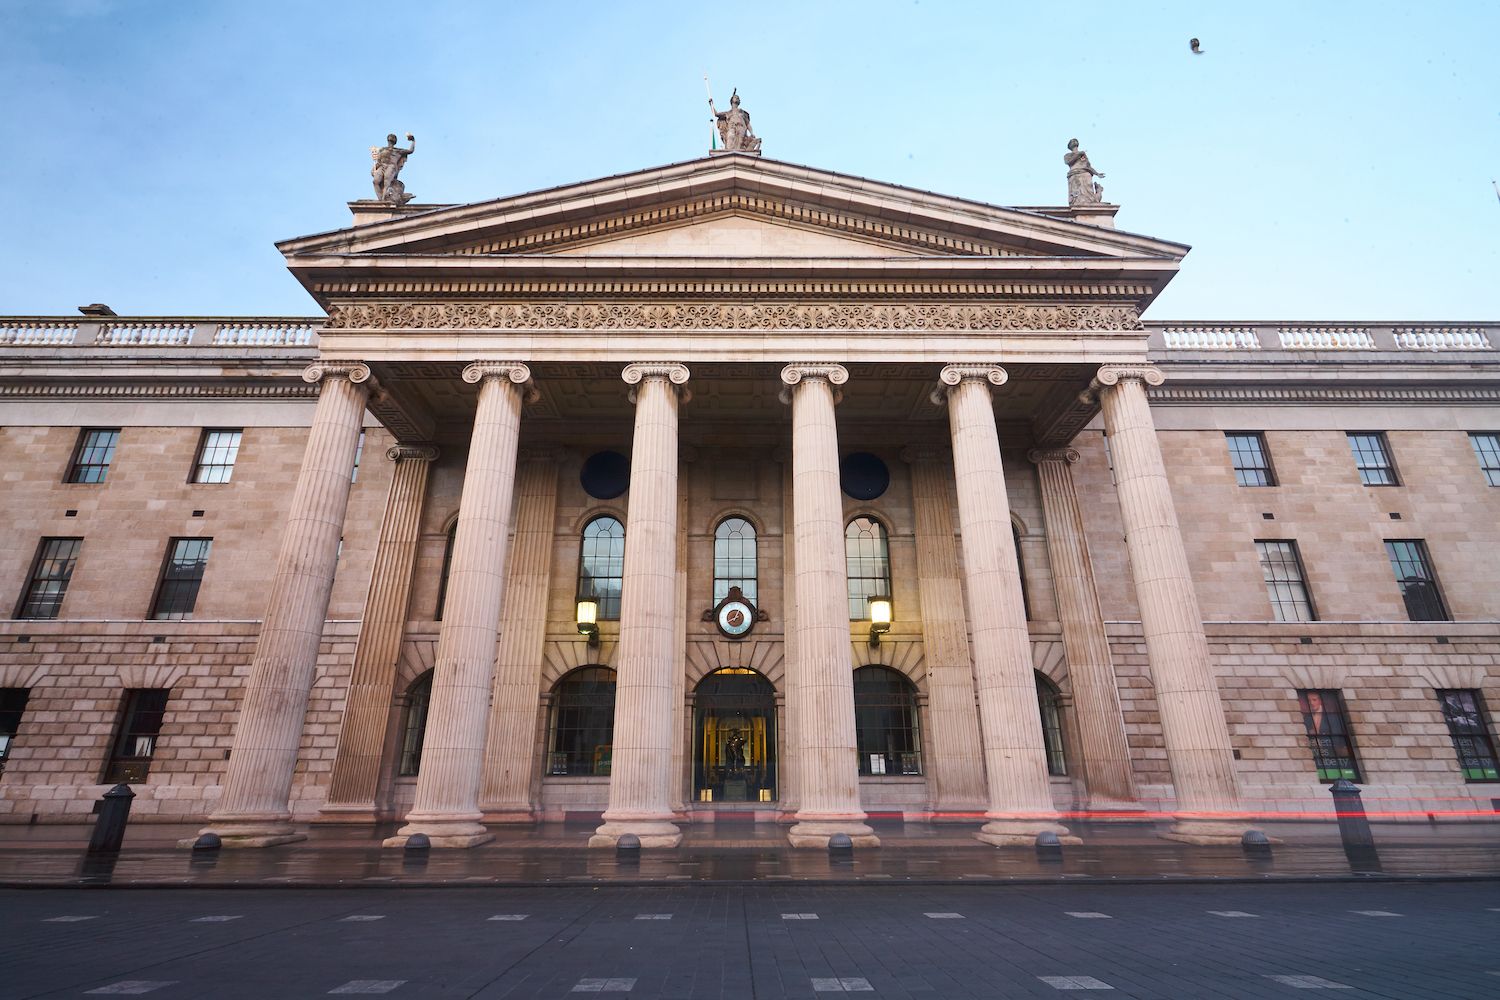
(1324, 160)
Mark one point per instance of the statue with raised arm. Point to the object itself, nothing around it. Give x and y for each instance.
(389, 159)
(734, 126)
(1082, 188)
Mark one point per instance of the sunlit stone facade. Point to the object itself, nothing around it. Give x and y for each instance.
(581, 505)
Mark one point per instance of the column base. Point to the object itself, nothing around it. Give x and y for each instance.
(1205, 832)
(957, 812)
(519, 816)
(1106, 809)
(652, 833)
(362, 814)
(248, 835)
(815, 833)
(1022, 832)
(442, 833)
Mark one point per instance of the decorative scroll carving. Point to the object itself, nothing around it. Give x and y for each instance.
(1037, 456)
(1113, 374)
(355, 371)
(515, 371)
(672, 371)
(726, 316)
(412, 453)
(796, 372)
(954, 374)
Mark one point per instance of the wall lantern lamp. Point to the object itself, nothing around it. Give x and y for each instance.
(880, 619)
(588, 619)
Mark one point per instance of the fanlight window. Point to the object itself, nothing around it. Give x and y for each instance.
(734, 558)
(601, 565)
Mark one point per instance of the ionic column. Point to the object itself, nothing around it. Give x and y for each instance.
(1103, 753)
(509, 752)
(355, 783)
(1015, 756)
(641, 778)
(955, 766)
(822, 677)
(1192, 718)
(254, 810)
(447, 800)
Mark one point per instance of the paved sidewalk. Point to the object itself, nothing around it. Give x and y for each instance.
(35, 856)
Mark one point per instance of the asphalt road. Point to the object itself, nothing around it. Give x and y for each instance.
(1186, 942)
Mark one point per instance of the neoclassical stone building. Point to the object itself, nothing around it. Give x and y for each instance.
(739, 490)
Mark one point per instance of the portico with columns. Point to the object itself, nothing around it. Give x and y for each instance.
(861, 358)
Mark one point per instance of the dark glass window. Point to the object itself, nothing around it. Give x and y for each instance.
(50, 573)
(868, 558)
(359, 451)
(135, 743)
(447, 565)
(181, 577)
(414, 724)
(216, 455)
(1328, 735)
(885, 722)
(96, 449)
(1487, 447)
(1286, 584)
(601, 565)
(1414, 576)
(734, 558)
(1372, 456)
(1015, 534)
(12, 707)
(1463, 710)
(1251, 458)
(1049, 700)
(583, 722)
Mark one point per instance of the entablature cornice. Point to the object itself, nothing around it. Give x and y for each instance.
(780, 289)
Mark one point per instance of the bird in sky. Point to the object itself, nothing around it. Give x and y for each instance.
(1193, 44)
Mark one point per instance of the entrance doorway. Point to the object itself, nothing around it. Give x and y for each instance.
(734, 738)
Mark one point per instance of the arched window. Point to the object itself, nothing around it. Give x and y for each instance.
(1049, 699)
(885, 722)
(583, 722)
(734, 558)
(414, 724)
(601, 565)
(868, 560)
(447, 564)
(1015, 533)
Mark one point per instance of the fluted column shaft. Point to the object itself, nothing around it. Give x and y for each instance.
(641, 777)
(509, 754)
(447, 798)
(1015, 757)
(1192, 717)
(254, 810)
(827, 767)
(1104, 753)
(354, 786)
(955, 767)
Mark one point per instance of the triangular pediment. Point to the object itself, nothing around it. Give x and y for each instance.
(735, 235)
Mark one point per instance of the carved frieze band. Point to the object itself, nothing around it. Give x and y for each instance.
(412, 453)
(1037, 456)
(355, 371)
(727, 316)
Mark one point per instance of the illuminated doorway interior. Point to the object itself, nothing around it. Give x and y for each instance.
(734, 738)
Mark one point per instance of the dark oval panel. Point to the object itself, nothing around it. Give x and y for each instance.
(605, 475)
(863, 476)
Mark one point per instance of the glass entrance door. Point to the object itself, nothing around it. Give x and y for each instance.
(734, 738)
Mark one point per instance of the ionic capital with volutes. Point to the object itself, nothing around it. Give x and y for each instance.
(355, 371)
(672, 372)
(515, 372)
(1037, 456)
(1111, 375)
(805, 371)
(412, 453)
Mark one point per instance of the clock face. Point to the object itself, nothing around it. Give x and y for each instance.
(735, 618)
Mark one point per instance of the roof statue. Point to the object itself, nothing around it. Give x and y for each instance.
(1082, 188)
(389, 159)
(734, 127)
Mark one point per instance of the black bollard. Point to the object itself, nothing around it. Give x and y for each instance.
(418, 842)
(1354, 827)
(840, 849)
(1255, 844)
(114, 813)
(628, 849)
(1048, 847)
(414, 855)
(208, 842)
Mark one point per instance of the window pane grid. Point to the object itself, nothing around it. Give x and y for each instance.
(601, 565)
(885, 723)
(1372, 458)
(583, 723)
(216, 457)
(1047, 700)
(1487, 447)
(56, 558)
(178, 593)
(1252, 465)
(1328, 735)
(734, 558)
(1464, 713)
(1414, 576)
(1285, 584)
(96, 449)
(868, 562)
(140, 727)
(12, 707)
(418, 697)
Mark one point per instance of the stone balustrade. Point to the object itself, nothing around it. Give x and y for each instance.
(156, 332)
(1329, 338)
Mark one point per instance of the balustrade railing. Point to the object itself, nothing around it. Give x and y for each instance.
(37, 333)
(251, 333)
(149, 334)
(1325, 338)
(1442, 338)
(1202, 337)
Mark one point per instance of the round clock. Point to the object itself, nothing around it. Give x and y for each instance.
(735, 618)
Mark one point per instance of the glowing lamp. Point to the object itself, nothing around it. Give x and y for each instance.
(880, 618)
(588, 619)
